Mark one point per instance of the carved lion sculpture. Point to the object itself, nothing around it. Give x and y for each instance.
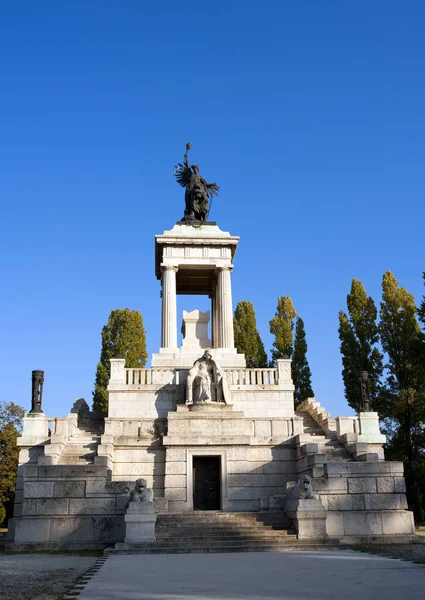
(141, 492)
(302, 489)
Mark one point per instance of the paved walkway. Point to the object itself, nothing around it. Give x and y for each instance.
(320, 575)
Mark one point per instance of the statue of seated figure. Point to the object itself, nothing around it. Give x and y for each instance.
(206, 382)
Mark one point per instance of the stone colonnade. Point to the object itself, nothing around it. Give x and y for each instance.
(222, 308)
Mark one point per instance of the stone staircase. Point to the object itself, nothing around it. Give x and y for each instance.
(202, 532)
(332, 448)
(81, 448)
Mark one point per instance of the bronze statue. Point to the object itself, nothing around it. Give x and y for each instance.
(365, 390)
(198, 191)
(37, 391)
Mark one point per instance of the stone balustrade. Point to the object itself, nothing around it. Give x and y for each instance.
(235, 377)
(155, 376)
(251, 376)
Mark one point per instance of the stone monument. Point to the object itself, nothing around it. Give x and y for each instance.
(201, 431)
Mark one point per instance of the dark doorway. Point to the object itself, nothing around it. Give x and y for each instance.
(206, 483)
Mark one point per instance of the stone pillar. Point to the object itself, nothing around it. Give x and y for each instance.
(214, 322)
(140, 520)
(225, 308)
(169, 307)
(309, 518)
(117, 372)
(284, 376)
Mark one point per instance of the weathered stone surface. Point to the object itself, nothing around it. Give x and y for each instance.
(80, 471)
(399, 485)
(175, 468)
(175, 481)
(280, 428)
(108, 528)
(385, 485)
(398, 522)
(38, 489)
(29, 529)
(357, 469)
(175, 494)
(135, 470)
(91, 506)
(362, 485)
(238, 466)
(362, 523)
(96, 486)
(45, 506)
(344, 502)
(30, 471)
(142, 456)
(176, 455)
(335, 523)
(262, 428)
(70, 489)
(71, 529)
(330, 486)
(48, 472)
(241, 493)
(237, 453)
(396, 467)
(385, 501)
(259, 454)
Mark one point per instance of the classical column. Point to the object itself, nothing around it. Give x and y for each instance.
(224, 308)
(214, 320)
(169, 307)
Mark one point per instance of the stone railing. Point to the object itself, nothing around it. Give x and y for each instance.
(251, 376)
(155, 376)
(131, 378)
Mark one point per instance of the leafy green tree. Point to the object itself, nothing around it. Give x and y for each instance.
(11, 416)
(359, 335)
(404, 393)
(282, 326)
(125, 336)
(247, 337)
(301, 374)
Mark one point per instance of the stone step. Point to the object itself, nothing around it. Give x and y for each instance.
(226, 536)
(218, 543)
(235, 520)
(290, 544)
(219, 515)
(272, 525)
(282, 524)
(217, 528)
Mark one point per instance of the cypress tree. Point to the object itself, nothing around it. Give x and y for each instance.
(281, 326)
(301, 374)
(247, 337)
(404, 392)
(358, 333)
(125, 336)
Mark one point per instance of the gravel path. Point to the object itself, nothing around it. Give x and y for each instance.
(40, 576)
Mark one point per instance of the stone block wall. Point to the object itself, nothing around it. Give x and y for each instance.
(248, 474)
(71, 506)
(365, 499)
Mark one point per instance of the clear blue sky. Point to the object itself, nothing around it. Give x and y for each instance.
(309, 115)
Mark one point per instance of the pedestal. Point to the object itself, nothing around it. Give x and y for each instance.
(309, 517)
(140, 522)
